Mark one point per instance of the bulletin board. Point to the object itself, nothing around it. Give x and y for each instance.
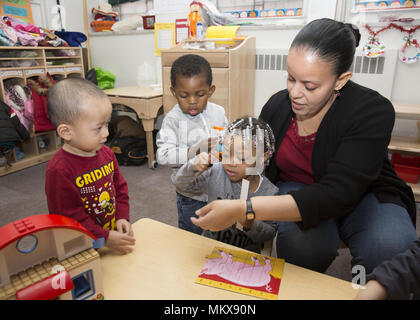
(20, 9)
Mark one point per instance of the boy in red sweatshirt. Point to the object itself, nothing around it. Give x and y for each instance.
(83, 180)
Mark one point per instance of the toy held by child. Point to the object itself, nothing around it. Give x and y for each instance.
(83, 180)
(248, 145)
(187, 127)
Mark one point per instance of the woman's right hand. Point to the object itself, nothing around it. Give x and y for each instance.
(220, 214)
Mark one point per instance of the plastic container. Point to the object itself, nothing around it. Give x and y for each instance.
(99, 26)
(406, 167)
(146, 75)
(200, 31)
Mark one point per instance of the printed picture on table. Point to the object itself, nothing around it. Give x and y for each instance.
(243, 272)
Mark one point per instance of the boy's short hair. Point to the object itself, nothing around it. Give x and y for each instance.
(190, 65)
(66, 96)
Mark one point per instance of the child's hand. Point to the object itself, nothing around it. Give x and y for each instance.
(204, 145)
(120, 242)
(203, 161)
(373, 291)
(124, 227)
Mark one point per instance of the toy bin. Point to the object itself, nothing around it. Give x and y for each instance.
(99, 26)
(406, 167)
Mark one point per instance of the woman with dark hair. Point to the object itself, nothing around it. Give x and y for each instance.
(330, 161)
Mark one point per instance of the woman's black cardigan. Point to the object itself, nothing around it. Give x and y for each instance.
(349, 157)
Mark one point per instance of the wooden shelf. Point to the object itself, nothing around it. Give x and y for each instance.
(63, 57)
(33, 154)
(416, 190)
(407, 111)
(233, 75)
(20, 58)
(28, 161)
(405, 144)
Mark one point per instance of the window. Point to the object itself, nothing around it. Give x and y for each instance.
(27, 244)
(84, 286)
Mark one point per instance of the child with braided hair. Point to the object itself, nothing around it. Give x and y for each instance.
(248, 144)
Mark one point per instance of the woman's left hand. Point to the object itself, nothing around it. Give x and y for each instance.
(220, 214)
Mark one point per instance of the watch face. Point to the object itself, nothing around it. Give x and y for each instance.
(250, 216)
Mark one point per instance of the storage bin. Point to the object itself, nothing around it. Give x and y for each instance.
(406, 167)
(99, 26)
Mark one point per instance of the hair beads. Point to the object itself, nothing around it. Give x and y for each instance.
(254, 133)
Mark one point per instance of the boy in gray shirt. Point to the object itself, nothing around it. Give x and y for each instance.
(223, 180)
(188, 123)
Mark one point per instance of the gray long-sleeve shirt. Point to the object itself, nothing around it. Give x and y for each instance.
(217, 185)
(180, 131)
(400, 275)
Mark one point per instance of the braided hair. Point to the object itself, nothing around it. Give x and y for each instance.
(252, 130)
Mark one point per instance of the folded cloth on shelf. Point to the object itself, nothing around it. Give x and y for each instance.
(16, 37)
(21, 25)
(74, 39)
(104, 9)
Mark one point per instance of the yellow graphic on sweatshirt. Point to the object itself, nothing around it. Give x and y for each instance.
(94, 175)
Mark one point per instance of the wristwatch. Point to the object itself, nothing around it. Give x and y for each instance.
(250, 214)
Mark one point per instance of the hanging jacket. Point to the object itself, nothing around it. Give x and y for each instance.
(39, 89)
(11, 129)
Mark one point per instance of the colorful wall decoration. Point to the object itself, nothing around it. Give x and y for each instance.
(363, 6)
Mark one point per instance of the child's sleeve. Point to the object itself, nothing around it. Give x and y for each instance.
(63, 198)
(400, 275)
(189, 180)
(262, 231)
(121, 193)
(172, 148)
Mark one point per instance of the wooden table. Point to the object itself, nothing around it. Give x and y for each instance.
(146, 102)
(166, 261)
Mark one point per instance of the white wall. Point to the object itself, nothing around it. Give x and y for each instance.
(122, 54)
(73, 18)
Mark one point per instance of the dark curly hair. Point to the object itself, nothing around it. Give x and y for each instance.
(190, 65)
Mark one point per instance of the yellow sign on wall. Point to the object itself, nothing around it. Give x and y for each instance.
(20, 9)
(164, 36)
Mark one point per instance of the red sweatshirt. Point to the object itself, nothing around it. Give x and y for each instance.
(90, 190)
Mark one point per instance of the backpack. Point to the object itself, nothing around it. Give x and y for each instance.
(129, 151)
(127, 140)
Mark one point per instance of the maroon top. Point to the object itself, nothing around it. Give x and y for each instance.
(91, 190)
(294, 157)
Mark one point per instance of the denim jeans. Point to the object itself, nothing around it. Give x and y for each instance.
(374, 232)
(186, 210)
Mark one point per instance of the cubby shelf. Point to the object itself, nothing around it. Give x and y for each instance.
(410, 145)
(33, 154)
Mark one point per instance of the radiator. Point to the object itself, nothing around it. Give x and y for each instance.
(271, 65)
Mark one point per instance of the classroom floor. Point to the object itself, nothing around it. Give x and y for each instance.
(151, 195)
